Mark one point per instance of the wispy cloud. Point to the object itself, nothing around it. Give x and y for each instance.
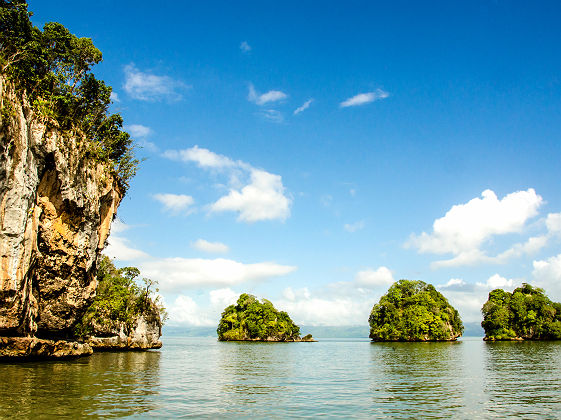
(272, 115)
(267, 97)
(175, 203)
(353, 227)
(114, 97)
(138, 130)
(364, 98)
(210, 247)
(150, 87)
(245, 47)
(304, 106)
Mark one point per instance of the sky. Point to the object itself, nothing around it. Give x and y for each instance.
(314, 153)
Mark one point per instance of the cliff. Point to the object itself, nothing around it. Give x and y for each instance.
(56, 208)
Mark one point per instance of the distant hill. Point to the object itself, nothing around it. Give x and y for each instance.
(473, 329)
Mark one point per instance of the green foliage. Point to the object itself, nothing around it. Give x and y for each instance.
(53, 68)
(251, 319)
(525, 313)
(119, 300)
(414, 311)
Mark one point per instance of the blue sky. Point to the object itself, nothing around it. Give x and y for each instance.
(314, 153)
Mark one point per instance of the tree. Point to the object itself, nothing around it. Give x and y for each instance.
(414, 311)
(250, 319)
(53, 68)
(526, 313)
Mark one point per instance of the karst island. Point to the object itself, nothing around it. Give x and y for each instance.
(414, 311)
(65, 166)
(253, 320)
(525, 314)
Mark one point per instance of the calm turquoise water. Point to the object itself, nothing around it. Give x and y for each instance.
(192, 377)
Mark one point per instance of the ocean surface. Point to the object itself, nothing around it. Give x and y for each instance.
(339, 378)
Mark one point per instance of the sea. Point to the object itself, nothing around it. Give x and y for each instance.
(333, 378)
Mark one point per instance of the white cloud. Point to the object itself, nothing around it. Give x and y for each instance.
(114, 97)
(262, 99)
(210, 247)
(184, 273)
(175, 203)
(223, 298)
(138, 130)
(496, 282)
(245, 47)
(204, 158)
(254, 193)
(118, 247)
(304, 107)
(272, 115)
(262, 199)
(353, 227)
(468, 298)
(466, 227)
(364, 98)
(185, 311)
(547, 275)
(553, 223)
(370, 278)
(149, 87)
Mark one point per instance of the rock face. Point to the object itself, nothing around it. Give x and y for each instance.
(56, 208)
(144, 334)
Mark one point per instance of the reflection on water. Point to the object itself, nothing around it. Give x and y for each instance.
(536, 370)
(339, 378)
(417, 377)
(115, 383)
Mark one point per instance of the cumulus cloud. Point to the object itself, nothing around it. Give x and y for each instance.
(303, 107)
(118, 247)
(254, 193)
(264, 98)
(175, 203)
(364, 98)
(353, 227)
(184, 311)
(262, 199)
(466, 227)
(370, 278)
(468, 298)
(184, 273)
(150, 87)
(547, 275)
(210, 247)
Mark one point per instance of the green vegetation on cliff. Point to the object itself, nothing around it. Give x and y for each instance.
(250, 319)
(527, 313)
(52, 68)
(119, 301)
(414, 311)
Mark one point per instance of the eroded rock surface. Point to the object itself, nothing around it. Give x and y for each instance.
(56, 208)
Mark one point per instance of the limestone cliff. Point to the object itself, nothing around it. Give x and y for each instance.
(56, 208)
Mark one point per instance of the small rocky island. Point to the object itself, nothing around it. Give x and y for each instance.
(414, 311)
(525, 314)
(253, 320)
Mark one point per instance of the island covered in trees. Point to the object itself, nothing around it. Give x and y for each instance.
(525, 314)
(413, 310)
(253, 320)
